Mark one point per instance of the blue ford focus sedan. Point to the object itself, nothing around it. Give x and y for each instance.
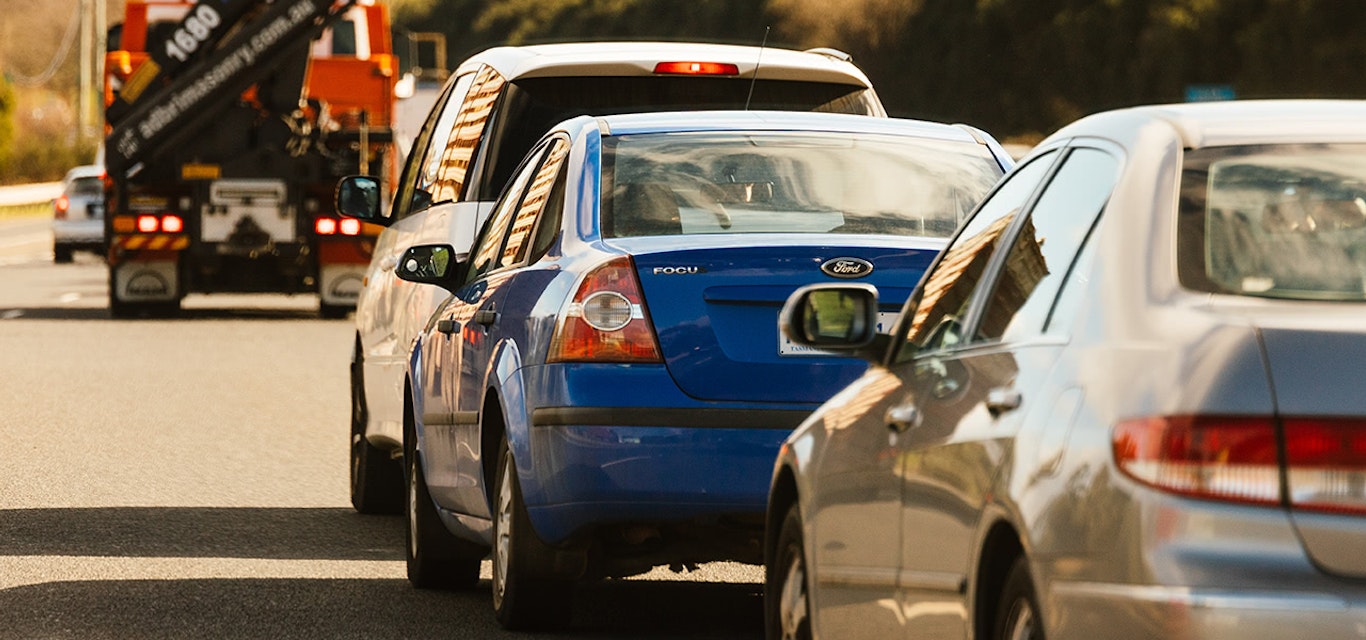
(606, 388)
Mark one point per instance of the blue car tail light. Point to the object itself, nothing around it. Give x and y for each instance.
(606, 320)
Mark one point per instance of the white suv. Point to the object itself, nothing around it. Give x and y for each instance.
(495, 106)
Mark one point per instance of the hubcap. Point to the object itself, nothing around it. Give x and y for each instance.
(412, 509)
(502, 547)
(792, 612)
(1021, 621)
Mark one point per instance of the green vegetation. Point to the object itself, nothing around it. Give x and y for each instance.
(1017, 68)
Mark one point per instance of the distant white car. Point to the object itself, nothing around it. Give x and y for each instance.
(495, 106)
(78, 214)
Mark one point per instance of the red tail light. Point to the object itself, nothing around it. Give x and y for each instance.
(1237, 458)
(698, 68)
(1326, 464)
(61, 206)
(349, 226)
(606, 321)
(172, 224)
(325, 226)
(1233, 458)
(148, 223)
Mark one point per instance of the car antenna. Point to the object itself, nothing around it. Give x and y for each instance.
(755, 76)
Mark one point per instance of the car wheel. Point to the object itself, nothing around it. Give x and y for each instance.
(376, 477)
(334, 311)
(525, 595)
(436, 559)
(61, 254)
(1017, 616)
(788, 615)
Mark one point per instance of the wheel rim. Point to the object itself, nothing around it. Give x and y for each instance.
(412, 509)
(1021, 625)
(792, 609)
(502, 546)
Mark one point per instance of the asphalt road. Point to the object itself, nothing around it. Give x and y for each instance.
(187, 478)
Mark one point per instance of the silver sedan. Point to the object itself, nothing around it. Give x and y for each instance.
(1123, 403)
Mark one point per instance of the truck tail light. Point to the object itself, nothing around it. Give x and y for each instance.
(60, 207)
(333, 226)
(698, 68)
(1240, 459)
(606, 320)
(165, 223)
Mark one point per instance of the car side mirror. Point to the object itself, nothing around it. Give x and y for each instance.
(834, 317)
(431, 264)
(358, 197)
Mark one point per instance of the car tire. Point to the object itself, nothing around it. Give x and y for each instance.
(436, 559)
(376, 477)
(1017, 615)
(787, 614)
(334, 311)
(526, 596)
(61, 254)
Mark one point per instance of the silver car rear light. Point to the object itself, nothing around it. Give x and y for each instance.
(1326, 464)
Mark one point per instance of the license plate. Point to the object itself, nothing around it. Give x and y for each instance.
(94, 211)
(885, 321)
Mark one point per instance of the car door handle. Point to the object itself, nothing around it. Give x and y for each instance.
(448, 327)
(902, 417)
(1002, 399)
(486, 317)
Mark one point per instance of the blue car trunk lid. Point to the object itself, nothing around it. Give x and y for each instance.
(715, 310)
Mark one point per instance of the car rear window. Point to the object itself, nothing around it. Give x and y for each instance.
(532, 106)
(1276, 221)
(790, 182)
(86, 187)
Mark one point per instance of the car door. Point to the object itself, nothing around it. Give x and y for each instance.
(384, 301)
(489, 310)
(972, 384)
(858, 507)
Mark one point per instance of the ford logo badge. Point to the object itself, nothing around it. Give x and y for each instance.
(848, 268)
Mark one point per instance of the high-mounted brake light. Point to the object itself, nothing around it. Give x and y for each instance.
(698, 68)
(606, 321)
(61, 205)
(1239, 459)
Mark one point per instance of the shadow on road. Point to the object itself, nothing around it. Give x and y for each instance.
(359, 609)
(277, 533)
(223, 313)
(305, 607)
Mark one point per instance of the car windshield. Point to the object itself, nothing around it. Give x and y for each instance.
(1278, 221)
(790, 182)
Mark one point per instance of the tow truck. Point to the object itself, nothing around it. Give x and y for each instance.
(228, 125)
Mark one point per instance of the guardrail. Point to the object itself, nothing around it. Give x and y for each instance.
(28, 199)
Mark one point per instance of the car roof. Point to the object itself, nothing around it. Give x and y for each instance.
(1206, 124)
(701, 121)
(85, 171)
(639, 59)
